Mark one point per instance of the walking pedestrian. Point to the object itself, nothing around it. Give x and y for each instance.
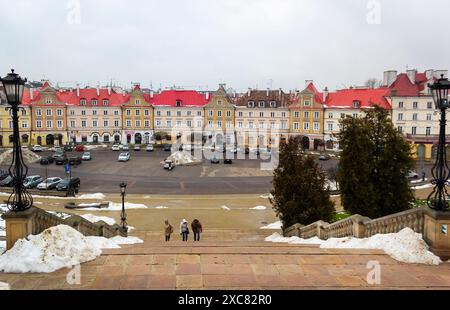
(168, 230)
(196, 229)
(184, 230)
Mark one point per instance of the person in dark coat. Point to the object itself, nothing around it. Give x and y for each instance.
(196, 229)
(184, 230)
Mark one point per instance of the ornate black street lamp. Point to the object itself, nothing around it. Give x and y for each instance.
(123, 215)
(437, 200)
(20, 199)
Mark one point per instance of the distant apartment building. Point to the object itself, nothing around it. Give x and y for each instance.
(261, 116)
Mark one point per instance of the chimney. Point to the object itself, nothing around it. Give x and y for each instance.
(268, 92)
(152, 94)
(325, 94)
(412, 75)
(389, 77)
(78, 90)
(249, 92)
(31, 94)
(109, 90)
(98, 90)
(429, 74)
(207, 95)
(280, 91)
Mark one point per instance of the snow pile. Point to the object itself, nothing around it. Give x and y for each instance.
(330, 185)
(266, 196)
(4, 286)
(276, 225)
(116, 206)
(2, 246)
(259, 208)
(93, 219)
(405, 246)
(423, 186)
(55, 248)
(60, 214)
(92, 196)
(161, 207)
(226, 208)
(28, 156)
(2, 228)
(181, 158)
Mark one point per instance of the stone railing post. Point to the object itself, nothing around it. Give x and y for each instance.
(359, 228)
(19, 225)
(435, 232)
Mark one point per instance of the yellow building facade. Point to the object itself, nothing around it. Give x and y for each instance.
(6, 126)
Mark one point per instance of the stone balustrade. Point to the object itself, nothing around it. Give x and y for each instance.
(413, 219)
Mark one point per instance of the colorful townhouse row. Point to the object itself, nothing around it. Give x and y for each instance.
(255, 118)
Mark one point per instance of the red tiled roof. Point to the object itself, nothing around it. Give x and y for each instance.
(402, 87)
(189, 98)
(366, 97)
(318, 97)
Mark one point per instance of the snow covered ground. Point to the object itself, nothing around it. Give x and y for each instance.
(225, 208)
(259, 208)
(2, 246)
(115, 206)
(4, 286)
(276, 225)
(405, 246)
(423, 186)
(161, 207)
(98, 196)
(55, 248)
(266, 196)
(93, 219)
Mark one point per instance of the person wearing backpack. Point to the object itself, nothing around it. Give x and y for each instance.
(196, 229)
(184, 230)
(168, 230)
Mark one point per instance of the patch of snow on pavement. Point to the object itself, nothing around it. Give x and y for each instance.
(423, 186)
(276, 225)
(225, 208)
(2, 246)
(260, 208)
(266, 196)
(55, 248)
(117, 207)
(4, 286)
(93, 219)
(161, 207)
(405, 246)
(92, 196)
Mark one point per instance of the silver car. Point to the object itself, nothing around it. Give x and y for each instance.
(49, 183)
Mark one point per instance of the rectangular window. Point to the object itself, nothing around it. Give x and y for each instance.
(240, 125)
(355, 115)
(199, 124)
(261, 125)
(94, 112)
(210, 113)
(228, 124)
(59, 124)
(83, 101)
(128, 123)
(105, 112)
(94, 123)
(49, 124)
(428, 131)
(306, 114)
(210, 124)
(316, 126)
(138, 123)
(330, 127)
(342, 115)
(138, 112)
(330, 115)
(189, 123)
(137, 101)
(219, 113)
(414, 130)
(178, 113)
(83, 112)
(414, 117)
(105, 102)
(415, 105)
(400, 104)
(158, 113)
(283, 125)
(128, 112)
(400, 129)
(199, 113)
(158, 123)
(272, 114)
(428, 117)
(116, 124)
(83, 123)
(296, 126)
(305, 126)
(38, 124)
(240, 114)
(316, 115)
(250, 114)
(105, 123)
(146, 112)
(400, 116)
(273, 104)
(48, 100)
(272, 125)
(169, 123)
(94, 101)
(168, 113)
(11, 124)
(296, 114)
(429, 105)
(261, 104)
(116, 113)
(48, 112)
(228, 113)
(189, 113)
(219, 124)
(146, 124)
(307, 103)
(24, 124)
(38, 112)
(261, 114)
(72, 112)
(250, 125)
(283, 114)
(72, 124)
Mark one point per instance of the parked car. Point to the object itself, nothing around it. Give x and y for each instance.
(75, 161)
(47, 160)
(324, 157)
(137, 148)
(86, 156)
(60, 159)
(125, 147)
(7, 181)
(168, 164)
(66, 183)
(57, 149)
(214, 160)
(124, 156)
(49, 183)
(80, 148)
(412, 174)
(68, 148)
(37, 148)
(4, 175)
(227, 161)
(115, 147)
(32, 181)
(167, 148)
(149, 148)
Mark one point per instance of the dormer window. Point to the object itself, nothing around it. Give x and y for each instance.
(261, 104)
(137, 101)
(83, 102)
(219, 102)
(48, 100)
(94, 102)
(307, 103)
(251, 104)
(179, 103)
(356, 104)
(105, 102)
(273, 104)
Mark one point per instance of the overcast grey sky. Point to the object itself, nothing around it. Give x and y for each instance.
(245, 43)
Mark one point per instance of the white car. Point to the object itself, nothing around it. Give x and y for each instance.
(125, 147)
(124, 156)
(49, 183)
(412, 174)
(37, 148)
(149, 148)
(168, 164)
(115, 147)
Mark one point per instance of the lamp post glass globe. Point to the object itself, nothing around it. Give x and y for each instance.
(123, 187)
(14, 86)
